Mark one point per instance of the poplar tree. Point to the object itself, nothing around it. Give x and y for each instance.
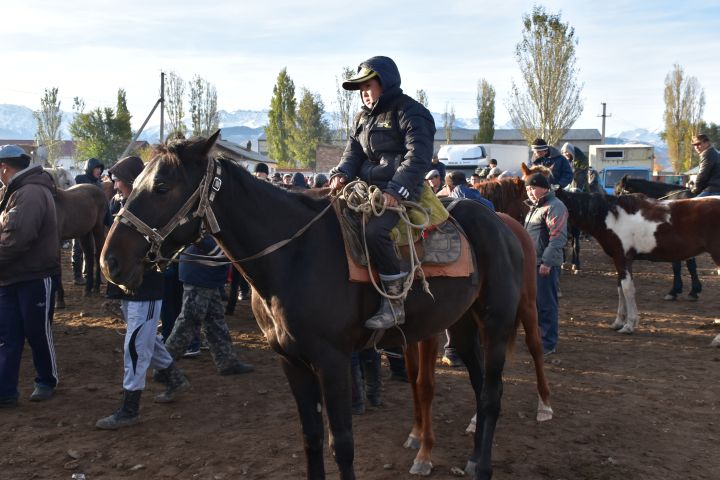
(174, 104)
(281, 118)
(485, 112)
(49, 119)
(448, 122)
(310, 129)
(203, 107)
(547, 103)
(422, 98)
(684, 104)
(347, 102)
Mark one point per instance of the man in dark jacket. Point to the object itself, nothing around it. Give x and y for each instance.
(391, 147)
(549, 157)
(93, 171)
(29, 259)
(708, 177)
(141, 309)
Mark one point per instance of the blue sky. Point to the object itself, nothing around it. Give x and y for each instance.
(91, 48)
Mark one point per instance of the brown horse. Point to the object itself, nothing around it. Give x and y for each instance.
(634, 227)
(276, 238)
(81, 211)
(420, 360)
(507, 195)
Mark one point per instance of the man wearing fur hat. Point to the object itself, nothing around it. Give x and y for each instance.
(549, 157)
(391, 147)
(546, 222)
(29, 259)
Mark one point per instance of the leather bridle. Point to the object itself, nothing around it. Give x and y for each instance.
(203, 195)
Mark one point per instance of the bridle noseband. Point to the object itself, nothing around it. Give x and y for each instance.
(204, 195)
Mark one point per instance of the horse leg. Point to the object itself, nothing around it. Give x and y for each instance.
(425, 388)
(696, 285)
(527, 313)
(99, 240)
(497, 333)
(412, 364)
(621, 317)
(628, 291)
(334, 373)
(576, 249)
(306, 390)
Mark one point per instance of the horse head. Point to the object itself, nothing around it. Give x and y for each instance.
(161, 213)
(535, 169)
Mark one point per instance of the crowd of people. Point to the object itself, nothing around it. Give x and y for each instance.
(391, 148)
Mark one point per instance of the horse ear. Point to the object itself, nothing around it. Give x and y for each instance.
(525, 169)
(210, 143)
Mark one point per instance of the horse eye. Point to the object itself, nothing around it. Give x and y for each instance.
(161, 188)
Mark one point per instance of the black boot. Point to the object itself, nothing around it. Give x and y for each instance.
(126, 415)
(358, 390)
(392, 311)
(177, 383)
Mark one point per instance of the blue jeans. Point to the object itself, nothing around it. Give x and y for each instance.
(547, 306)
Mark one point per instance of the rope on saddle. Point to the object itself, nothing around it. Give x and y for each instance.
(368, 200)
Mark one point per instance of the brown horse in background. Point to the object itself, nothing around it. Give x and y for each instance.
(507, 195)
(421, 358)
(81, 211)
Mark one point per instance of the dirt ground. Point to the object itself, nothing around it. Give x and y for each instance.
(639, 406)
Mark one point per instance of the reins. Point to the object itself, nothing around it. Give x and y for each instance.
(204, 195)
(369, 201)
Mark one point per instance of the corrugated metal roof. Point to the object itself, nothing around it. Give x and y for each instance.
(240, 151)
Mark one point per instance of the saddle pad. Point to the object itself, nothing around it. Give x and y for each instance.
(462, 266)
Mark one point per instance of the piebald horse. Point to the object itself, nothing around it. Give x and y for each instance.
(311, 314)
(634, 227)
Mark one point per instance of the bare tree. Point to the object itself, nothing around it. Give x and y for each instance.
(549, 102)
(422, 97)
(448, 122)
(348, 102)
(203, 107)
(174, 100)
(684, 104)
(49, 119)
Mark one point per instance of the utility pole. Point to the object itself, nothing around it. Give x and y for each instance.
(160, 101)
(604, 116)
(162, 105)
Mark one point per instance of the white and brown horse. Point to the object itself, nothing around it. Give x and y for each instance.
(634, 227)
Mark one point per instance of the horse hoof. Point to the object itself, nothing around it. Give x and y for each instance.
(715, 342)
(421, 467)
(617, 325)
(626, 329)
(412, 442)
(544, 412)
(670, 297)
(470, 468)
(472, 425)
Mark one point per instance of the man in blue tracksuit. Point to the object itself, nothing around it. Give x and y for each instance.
(546, 222)
(29, 259)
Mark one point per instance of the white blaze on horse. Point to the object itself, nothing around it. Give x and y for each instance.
(634, 227)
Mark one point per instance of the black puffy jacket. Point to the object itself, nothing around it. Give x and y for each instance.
(392, 142)
(88, 176)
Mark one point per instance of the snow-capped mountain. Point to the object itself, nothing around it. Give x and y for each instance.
(240, 126)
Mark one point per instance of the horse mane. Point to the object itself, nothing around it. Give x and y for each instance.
(501, 191)
(582, 205)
